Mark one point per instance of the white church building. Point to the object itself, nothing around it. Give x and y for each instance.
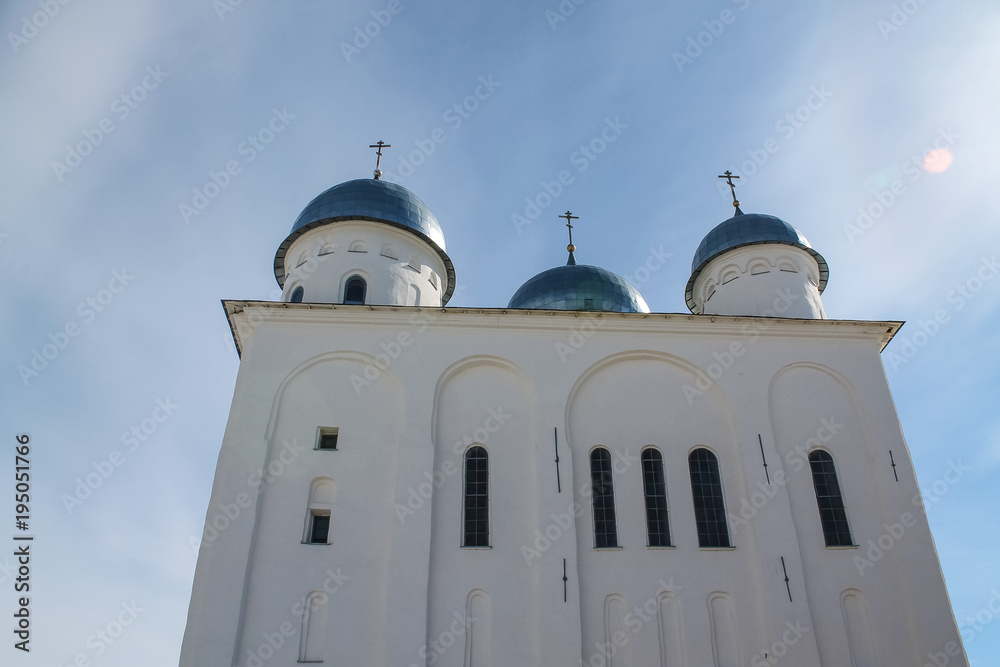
(567, 480)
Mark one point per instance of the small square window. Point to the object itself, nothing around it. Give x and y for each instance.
(319, 531)
(327, 437)
(588, 304)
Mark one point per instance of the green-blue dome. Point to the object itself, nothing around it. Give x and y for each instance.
(579, 287)
(745, 229)
(375, 200)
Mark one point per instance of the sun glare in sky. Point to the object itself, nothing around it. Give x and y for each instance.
(938, 160)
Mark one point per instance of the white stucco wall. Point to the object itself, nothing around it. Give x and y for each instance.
(399, 267)
(766, 280)
(410, 389)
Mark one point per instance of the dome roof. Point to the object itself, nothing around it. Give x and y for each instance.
(369, 199)
(745, 229)
(571, 287)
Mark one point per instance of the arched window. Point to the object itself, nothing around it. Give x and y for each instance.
(655, 489)
(297, 294)
(832, 512)
(477, 498)
(322, 498)
(354, 290)
(709, 509)
(602, 483)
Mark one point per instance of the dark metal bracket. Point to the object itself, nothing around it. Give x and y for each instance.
(555, 433)
(763, 458)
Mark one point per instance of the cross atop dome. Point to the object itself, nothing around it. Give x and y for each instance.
(378, 160)
(728, 175)
(569, 225)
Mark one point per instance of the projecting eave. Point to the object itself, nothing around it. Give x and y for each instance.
(244, 316)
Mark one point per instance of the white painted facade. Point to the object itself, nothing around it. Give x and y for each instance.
(761, 280)
(398, 267)
(410, 388)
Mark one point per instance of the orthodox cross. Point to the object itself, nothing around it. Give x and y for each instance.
(732, 186)
(569, 224)
(378, 161)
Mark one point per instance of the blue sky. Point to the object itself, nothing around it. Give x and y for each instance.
(826, 109)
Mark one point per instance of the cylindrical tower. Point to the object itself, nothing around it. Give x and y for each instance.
(755, 264)
(366, 241)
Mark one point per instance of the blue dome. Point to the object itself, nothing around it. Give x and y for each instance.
(749, 229)
(579, 287)
(369, 199)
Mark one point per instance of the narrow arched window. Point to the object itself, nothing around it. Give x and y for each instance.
(709, 508)
(322, 498)
(476, 518)
(602, 483)
(354, 290)
(832, 513)
(655, 489)
(297, 294)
